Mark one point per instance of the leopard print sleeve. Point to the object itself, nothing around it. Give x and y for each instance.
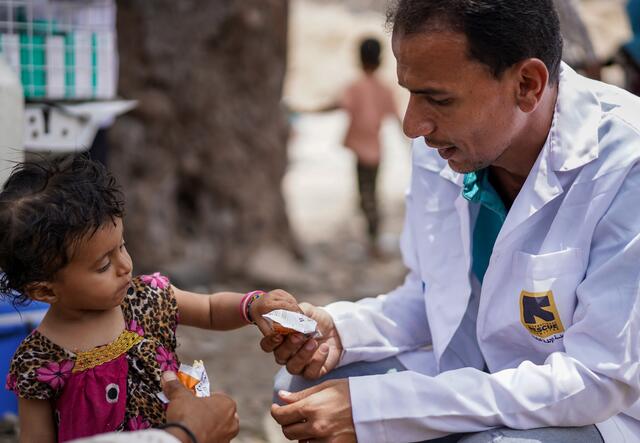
(152, 309)
(39, 369)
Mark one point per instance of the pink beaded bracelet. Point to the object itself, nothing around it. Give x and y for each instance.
(241, 306)
(245, 304)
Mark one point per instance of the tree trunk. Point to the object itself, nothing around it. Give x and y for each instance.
(202, 158)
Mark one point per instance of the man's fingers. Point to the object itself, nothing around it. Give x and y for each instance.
(297, 431)
(300, 359)
(289, 347)
(171, 387)
(291, 397)
(268, 344)
(286, 415)
(168, 376)
(333, 358)
(235, 430)
(315, 367)
(307, 308)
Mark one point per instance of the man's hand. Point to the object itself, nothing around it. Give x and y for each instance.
(320, 413)
(309, 357)
(211, 419)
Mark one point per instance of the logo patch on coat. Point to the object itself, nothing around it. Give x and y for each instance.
(539, 315)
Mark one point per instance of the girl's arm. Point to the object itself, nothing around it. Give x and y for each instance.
(36, 421)
(221, 311)
(217, 311)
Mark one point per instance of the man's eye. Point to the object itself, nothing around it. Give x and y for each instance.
(104, 268)
(443, 102)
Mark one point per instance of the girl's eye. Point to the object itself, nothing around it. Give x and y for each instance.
(122, 245)
(104, 268)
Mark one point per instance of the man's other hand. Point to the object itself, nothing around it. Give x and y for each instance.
(321, 413)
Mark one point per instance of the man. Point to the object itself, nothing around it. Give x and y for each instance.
(522, 239)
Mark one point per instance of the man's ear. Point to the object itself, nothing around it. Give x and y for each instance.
(41, 291)
(532, 79)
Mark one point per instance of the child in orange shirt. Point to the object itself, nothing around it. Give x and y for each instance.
(368, 101)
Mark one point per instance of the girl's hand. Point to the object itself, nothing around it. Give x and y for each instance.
(276, 299)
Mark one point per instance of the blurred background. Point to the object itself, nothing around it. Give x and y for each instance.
(229, 185)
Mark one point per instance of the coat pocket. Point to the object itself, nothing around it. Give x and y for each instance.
(529, 304)
(546, 287)
(550, 265)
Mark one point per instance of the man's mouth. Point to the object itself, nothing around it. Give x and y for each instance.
(445, 150)
(447, 153)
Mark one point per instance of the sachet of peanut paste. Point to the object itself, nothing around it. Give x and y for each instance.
(288, 322)
(193, 378)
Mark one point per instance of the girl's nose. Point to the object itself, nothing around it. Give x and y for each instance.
(125, 265)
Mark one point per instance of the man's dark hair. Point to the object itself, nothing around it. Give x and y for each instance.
(370, 54)
(500, 32)
(45, 208)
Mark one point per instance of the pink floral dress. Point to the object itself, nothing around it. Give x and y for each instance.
(112, 387)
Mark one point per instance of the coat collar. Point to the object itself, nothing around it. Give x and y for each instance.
(572, 142)
(573, 139)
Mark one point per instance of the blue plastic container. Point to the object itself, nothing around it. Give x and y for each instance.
(15, 325)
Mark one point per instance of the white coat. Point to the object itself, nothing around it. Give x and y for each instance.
(558, 313)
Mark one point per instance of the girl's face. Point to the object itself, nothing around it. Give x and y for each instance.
(99, 273)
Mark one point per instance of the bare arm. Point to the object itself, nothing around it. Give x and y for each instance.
(220, 311)
(36, 421)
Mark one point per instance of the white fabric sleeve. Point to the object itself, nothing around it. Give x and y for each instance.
(146, 436)
(380, 327)
(597, 376)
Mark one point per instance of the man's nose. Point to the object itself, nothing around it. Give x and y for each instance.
(417, 121)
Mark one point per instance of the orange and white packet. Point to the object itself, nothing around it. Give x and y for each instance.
(288, 322)
(193, 378)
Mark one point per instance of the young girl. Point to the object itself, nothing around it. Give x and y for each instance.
(94, 363)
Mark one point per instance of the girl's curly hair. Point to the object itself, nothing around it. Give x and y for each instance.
(45, 207)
